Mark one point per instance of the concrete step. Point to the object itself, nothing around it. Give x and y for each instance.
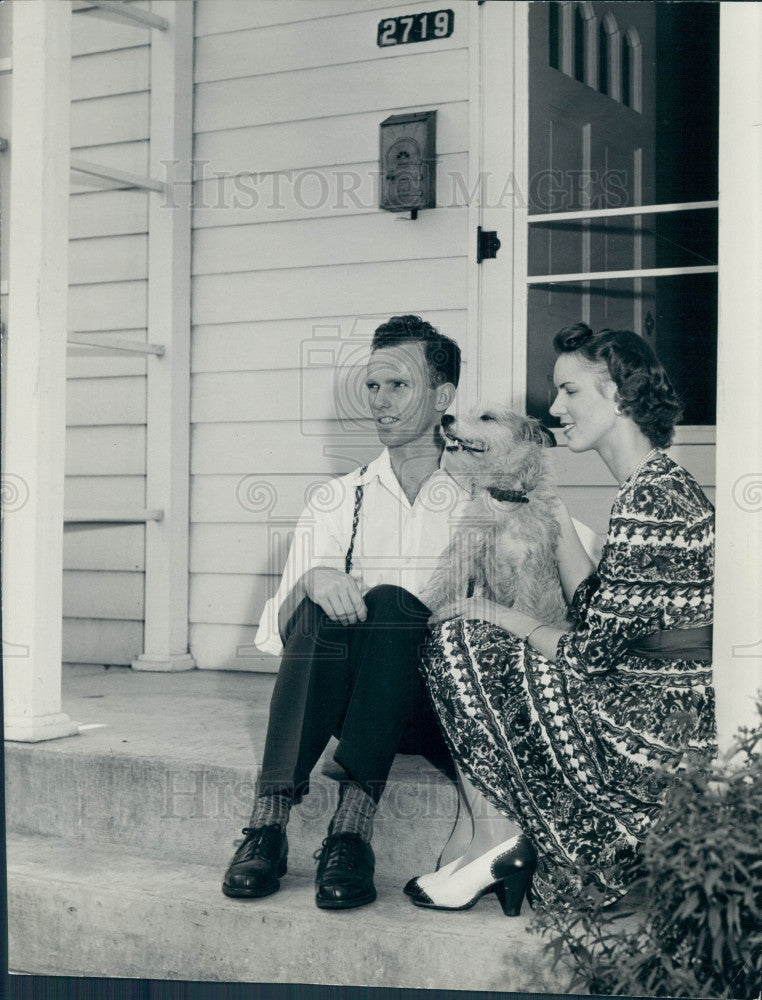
(195, 812)
(79, 909)
(167, 763)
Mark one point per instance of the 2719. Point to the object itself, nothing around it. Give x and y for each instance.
(415, 28)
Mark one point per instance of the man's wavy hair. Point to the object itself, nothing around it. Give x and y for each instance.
(644, 391)
(442, 354)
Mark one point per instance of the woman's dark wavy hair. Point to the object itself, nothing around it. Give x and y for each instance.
(644, 390)
(442, 354)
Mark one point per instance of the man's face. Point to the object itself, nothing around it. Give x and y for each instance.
(401, 400)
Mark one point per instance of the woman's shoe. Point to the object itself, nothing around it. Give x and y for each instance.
(507, 869)
(411, 887)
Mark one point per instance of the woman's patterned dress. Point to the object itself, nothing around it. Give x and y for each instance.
(574, 751)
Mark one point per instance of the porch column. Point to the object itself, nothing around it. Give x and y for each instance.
(169, 319)
(33, 465)
(738, 616)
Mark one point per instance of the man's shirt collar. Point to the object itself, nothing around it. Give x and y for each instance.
(381, 468)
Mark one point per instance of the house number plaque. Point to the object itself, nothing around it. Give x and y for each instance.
(415, 28)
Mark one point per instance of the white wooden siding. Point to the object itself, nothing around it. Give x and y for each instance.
(326, 241)
(104, 491)
(108, 213)
(93, 33)
(104, 120)
(93, 260)
(238, 498)
(114, 596)
(110, 74)
(99, 641)
(313, 293)
(91, 362)
(98, 547)
(281, 48)
(275, 447)
(106, 391)
(303, 193)
(255, 346)
(323, 142)
(118, 305)
(356, 88)
(105, 451)
(106, 401)
(131, 157)
(292, 253)
(220, 16)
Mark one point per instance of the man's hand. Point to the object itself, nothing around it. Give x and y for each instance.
(336, 593)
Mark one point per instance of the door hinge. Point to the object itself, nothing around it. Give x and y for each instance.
(487, 244)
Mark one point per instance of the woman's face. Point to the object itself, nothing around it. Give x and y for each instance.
(584, 404)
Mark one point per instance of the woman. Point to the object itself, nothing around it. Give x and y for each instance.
(570, 735)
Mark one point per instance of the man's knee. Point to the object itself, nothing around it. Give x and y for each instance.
(394, 604)
(310, 633)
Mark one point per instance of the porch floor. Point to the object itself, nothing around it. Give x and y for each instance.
(118, 839)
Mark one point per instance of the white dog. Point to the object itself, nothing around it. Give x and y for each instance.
(503, 548)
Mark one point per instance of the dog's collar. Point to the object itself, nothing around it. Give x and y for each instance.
(512, 496)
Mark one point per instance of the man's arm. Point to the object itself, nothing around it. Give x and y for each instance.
(314, 569)
(335, 592)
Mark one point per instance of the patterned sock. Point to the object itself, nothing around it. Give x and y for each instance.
(355, 812)
(271, 810)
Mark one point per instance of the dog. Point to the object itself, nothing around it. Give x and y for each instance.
(503, 547)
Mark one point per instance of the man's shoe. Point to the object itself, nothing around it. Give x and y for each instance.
(345, 872)
(258, 863)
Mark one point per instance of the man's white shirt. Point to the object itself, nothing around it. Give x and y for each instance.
(396, 542)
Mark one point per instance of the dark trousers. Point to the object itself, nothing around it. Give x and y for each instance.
(359, 683)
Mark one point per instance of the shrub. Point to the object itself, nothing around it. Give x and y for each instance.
(694, 928)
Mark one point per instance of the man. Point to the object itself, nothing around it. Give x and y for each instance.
(349, 614)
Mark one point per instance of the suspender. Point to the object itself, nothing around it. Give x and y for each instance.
(355, 521)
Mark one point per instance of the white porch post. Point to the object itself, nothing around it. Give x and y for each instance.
(168, 405)
(738, 617)
(33, 467)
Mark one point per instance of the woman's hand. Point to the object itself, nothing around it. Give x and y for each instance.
(476, 607)
(544, 638)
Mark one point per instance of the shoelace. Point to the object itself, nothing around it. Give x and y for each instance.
(253, 846)
(343, 852)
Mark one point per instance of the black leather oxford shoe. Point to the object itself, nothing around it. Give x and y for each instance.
(258, 863)
(345, 872)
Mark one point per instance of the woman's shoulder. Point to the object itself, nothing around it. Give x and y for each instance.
(665, 490)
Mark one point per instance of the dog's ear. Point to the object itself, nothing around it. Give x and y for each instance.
(547, 437)
(523, 467)
(540, 434)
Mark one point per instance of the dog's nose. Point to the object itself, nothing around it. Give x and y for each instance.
(448, 419)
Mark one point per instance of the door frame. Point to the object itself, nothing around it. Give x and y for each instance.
(498, 288)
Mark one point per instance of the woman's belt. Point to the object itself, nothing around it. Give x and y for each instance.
(675, 644)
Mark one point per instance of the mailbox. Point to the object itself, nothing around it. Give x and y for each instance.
(408, 162)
